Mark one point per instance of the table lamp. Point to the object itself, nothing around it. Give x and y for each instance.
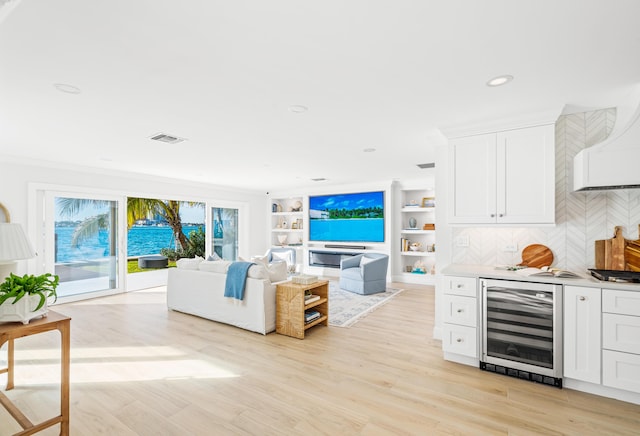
(14, 245)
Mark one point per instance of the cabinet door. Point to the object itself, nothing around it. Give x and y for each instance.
(621, 370)
(472, 179)
(460, 310)
(465, 286)
(621, 332)
(526, 175)
(582, 308)
(459, 339)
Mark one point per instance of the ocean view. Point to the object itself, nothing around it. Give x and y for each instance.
(141, 241)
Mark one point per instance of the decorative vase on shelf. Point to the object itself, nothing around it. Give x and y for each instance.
(282, 239)
(412, 223)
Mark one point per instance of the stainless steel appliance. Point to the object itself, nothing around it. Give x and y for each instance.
(522, 330)
(616, 276)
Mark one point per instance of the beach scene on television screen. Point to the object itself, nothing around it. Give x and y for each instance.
(355, 217)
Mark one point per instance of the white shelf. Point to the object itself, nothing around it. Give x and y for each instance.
(418, 253)
(416, 232)
(417, 209)
(287, 213)
(287, 230)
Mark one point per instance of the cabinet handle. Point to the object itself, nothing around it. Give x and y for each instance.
(501, 215)
(493, 215)
(459, 285)
(459, 340)
(460, 310)
(582, 298)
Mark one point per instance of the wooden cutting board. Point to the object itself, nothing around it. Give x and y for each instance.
(618, 253)
(537, 256)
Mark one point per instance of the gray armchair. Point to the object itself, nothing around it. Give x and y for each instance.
(365, 277)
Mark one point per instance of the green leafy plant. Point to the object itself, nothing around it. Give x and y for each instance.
(17, 287)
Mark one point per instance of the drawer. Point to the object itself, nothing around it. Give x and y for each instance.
(623, 302)
(460, 310)
(460, 339)
(466, 286)
(621, 332)
(621, 370)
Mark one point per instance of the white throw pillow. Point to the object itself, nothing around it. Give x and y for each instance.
(214, 256)
(284, 256)
(217, 266)
(258, 272)
(260, 260)
(185, 263)
(277, 271)
(365, 260)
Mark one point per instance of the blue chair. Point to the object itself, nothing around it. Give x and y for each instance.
(365, 273)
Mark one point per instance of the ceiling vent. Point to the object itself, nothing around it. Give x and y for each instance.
(427, 165)
(167, 138)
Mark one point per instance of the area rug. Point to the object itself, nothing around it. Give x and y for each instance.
(347, 308)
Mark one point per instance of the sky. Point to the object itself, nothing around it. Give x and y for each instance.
(188, 214)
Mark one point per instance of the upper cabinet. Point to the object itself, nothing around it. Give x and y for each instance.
(504, 177)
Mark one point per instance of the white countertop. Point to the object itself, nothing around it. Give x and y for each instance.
(490, 272)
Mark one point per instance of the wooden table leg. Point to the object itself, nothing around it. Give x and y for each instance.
(10, 364)
(65, 332)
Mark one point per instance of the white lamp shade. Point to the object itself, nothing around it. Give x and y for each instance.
(14, 244)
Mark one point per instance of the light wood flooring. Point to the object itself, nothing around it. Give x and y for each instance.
(139, 369)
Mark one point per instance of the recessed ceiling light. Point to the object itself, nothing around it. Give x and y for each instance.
(500, 80)
(369, 150)
(69, 89)
(298, 108)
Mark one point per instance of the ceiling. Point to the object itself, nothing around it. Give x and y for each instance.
(383, 75)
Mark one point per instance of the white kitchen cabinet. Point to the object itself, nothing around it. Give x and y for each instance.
(621, 339)
(582, 347)
(460, 319)
(460, 310)
(460, 340)
(621, 370)
(503, 178)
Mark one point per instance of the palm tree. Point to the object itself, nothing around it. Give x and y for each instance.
(137, 209)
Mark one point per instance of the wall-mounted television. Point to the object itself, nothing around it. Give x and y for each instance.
(354, 217)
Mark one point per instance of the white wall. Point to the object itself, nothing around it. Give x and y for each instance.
(16, 177)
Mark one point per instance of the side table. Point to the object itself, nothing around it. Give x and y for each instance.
(290, 307)
(11, 331)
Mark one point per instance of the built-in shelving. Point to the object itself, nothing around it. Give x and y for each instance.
(417, 227)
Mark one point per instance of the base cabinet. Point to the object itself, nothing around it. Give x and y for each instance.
(582, 347)
(621, 370)
(460, 318)
(459, 339)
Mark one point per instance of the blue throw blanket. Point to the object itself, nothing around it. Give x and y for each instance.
(236, 278)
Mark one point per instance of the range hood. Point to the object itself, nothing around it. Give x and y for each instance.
(615, 162)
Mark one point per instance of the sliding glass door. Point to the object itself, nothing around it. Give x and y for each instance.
(82, 243)
(225, 232)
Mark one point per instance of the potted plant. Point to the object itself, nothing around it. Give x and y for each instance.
(24, 298)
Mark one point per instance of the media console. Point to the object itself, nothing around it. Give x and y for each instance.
(328, 259)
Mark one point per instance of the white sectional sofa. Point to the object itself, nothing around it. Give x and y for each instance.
(197, 287)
